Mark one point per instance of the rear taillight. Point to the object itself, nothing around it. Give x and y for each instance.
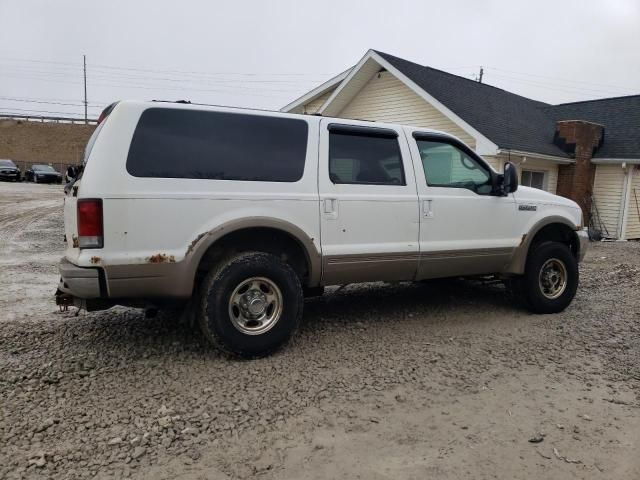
(90, 228)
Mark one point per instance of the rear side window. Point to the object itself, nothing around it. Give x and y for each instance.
(174, 143)
(360, 158)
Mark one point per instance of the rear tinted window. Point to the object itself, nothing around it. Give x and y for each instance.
(213, 145)
(357, 158)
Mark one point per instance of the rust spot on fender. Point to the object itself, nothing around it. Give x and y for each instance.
(95, 260)
(74, 241)
(524, 237)
(193, 244)
(161, 258)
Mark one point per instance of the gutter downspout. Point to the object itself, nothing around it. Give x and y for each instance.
(626, 196)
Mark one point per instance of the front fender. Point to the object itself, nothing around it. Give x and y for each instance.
(519, 259)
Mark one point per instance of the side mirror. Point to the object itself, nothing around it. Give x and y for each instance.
(510, 178)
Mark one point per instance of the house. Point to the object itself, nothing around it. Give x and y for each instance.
(587, 151)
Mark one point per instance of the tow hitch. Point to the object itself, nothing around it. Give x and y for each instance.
(63, 300)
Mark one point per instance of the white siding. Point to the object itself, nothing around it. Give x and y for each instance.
(608, 188)
(495, 162)
(633, 212)
(314, 105)
(386, 99)
(549, 168)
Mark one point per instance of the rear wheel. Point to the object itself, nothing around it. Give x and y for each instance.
(550, 280)
(251, 305)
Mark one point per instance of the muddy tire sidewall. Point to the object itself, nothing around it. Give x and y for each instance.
(530, 287)
(217, 289)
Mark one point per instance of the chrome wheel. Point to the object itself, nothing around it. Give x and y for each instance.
(553, 278)
(255, 306)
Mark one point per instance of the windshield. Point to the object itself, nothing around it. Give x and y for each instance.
(43, 168)
(7, 163)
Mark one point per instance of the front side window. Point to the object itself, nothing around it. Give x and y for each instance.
(447, 166)
(359, 158)
(532, 179)
(181, 143)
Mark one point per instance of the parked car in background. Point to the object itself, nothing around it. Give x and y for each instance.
(42, 174)
(9, 171)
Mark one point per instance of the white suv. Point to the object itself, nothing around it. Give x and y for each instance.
(245, 212)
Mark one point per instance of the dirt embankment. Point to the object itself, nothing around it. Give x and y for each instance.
(59, 144)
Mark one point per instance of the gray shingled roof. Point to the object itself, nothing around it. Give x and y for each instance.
(519, 123)
(620, 117)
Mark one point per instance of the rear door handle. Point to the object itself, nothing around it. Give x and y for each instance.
(427, 212)
(331, 207)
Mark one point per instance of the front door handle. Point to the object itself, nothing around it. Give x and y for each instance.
(427, 212)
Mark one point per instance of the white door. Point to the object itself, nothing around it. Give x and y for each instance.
(464, 227)
(368, 203)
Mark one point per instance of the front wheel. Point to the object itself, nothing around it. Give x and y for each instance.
(251, 305)
(551, 278)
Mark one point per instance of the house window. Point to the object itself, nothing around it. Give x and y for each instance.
(533, 179)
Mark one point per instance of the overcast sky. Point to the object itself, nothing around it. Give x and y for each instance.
(266, 53)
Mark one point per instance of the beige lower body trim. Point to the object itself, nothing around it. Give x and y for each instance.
(453, 263)
(342, 269)
(175, 280)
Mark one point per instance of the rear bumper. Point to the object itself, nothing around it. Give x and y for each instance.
(123, 283)
(79, 282)
(583, 237)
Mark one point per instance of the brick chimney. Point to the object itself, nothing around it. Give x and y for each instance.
(580, 139)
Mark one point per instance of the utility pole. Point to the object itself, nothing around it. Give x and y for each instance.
(479, 76)
(84, 65)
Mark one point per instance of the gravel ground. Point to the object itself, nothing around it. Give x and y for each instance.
(436, 380)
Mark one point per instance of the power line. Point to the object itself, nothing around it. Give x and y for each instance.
(58, 64)
(558, 87)
(184, 89)
(27, 100)
(39, 61)
(228, 88)
(17, 71)
(147, 70)
(53, 101)
(229, 85)
(29, 110)
(564, 79)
